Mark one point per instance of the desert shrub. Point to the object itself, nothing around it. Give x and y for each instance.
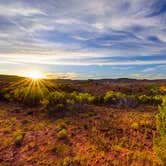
(44, 103)
(60, 101)
(83, 97)
(160, 148)
(161, 118)
(65, 162)
(62, 124)
(18, 136)
(145, 123)
(5, 94)
(98, 100)
(26, 95)
(62, 134)
(135, 126)
(2, 93)
(160, 143)
(110, 98)
(126, 100)
(154, 100)
(57, 98)
(144, 99)
(120, 99)
(78, 160)
(132, 100)
(157, 100)
(56, 101)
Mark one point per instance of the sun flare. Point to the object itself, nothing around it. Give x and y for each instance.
(35, 75)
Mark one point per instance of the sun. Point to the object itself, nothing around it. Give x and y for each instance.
(35, 75)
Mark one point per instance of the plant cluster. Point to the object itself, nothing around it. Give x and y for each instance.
(60, 100)
(160, 142)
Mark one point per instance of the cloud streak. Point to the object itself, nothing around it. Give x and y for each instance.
(65, 32)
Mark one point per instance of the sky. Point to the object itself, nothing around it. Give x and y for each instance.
(84, 39)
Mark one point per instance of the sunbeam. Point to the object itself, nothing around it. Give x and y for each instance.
(34, 75)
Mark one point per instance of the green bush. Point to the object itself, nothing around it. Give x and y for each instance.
(65, 162)
(157, 100)
(98, 100)
(18, 136)
(161, 118)
(55, 102)
(26, 95)
(160, 148)
(160, 143)
(2, 93)
(57, 98)
(144, 99)
(110, 98)
(154, 100)
(83, 97)
(62, 134)
(53, 98)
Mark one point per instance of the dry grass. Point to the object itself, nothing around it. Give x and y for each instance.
(108, 136)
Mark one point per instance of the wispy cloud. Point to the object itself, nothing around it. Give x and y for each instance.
(76, 32)
(148, 76)
(68, 75)
(14, 10)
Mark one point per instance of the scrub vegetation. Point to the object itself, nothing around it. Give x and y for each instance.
(72, 123)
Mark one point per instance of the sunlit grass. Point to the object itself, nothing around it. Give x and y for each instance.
(32, 89)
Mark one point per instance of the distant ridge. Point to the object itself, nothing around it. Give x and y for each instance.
(120, 80)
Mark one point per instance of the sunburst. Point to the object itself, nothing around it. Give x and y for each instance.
(35, 75)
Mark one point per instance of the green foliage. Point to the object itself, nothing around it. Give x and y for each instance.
(98, 100)
(161, 118)
(155, 100)
(59, 97)
(83, 97)
(110, 98)
(30, 96)
(160, 143)
(2, 93)
(65, 162)
(144, 99)
(142, 155)
(160, 148)
(56, 101)
(62, 134)
(18, 136)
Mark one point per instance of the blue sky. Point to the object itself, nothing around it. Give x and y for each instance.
(84, 39)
